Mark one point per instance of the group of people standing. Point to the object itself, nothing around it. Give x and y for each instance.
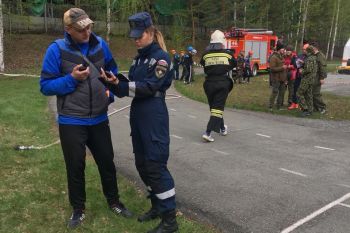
(184, 59)
(303, 75)
(81, 71)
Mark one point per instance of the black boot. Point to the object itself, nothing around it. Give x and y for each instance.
(149, 215)
(168, 223)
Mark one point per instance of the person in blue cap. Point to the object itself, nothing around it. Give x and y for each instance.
(188, 62)
(150, 76)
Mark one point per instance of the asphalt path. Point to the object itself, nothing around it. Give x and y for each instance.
(338, 84)
(269, 174)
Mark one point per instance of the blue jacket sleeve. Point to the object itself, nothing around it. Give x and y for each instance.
(110, 64)
(52, 82)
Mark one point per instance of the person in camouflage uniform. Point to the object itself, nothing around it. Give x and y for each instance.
(321, 74)
(309, 72)
(240, 67)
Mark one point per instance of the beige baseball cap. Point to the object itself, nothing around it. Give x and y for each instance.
(77, 18)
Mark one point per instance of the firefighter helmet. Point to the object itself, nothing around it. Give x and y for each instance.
(217, 37)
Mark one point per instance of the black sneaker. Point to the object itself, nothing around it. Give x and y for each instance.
(305, 114)
(119, 208)
(76, 219)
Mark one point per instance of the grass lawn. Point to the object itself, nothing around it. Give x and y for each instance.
(33, 187)
(255, 96)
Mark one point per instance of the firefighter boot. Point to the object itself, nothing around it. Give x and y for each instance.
(168, 223)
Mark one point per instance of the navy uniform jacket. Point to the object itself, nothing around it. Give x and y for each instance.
(150, 77)
(144, 82)
(176, 59)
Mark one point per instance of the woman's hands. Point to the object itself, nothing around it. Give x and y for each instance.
(109, 77)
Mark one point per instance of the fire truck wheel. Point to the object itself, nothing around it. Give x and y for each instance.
(255, 70)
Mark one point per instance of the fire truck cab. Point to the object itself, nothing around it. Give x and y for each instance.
(260, 41)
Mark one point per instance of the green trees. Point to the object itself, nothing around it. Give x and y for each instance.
(187, 20)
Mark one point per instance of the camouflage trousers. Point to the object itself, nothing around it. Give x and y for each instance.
(317, 97)
(304, 94)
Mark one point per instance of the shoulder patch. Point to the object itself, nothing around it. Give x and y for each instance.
(161, 68)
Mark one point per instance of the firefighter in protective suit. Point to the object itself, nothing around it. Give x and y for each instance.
(217, 63)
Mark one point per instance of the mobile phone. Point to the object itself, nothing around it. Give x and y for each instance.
(108, 74)
(83, 67)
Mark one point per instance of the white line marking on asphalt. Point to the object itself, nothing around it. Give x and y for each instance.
(263, 135)
(344, 185)
(220, 152)
(191, 116)
(345, 205)
(126, 116)
(172, 109)
(316, 213)
(175, 136)
(293, 172)
(324, 148)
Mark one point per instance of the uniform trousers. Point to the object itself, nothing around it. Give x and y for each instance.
(176, 72)
(278, 89)
(74, 139)
(217, 92)
(149, 121)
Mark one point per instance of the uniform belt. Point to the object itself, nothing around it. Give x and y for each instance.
(159, 94)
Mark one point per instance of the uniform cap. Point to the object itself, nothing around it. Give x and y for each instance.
(217, 37)
(139, 22)
(77, 18)
(189, 48)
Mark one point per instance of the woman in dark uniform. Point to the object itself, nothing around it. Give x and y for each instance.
(150, 77)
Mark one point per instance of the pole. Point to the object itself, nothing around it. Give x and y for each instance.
(2, 66)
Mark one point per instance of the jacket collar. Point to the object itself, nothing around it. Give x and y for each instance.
(148, 49)
(93, 41)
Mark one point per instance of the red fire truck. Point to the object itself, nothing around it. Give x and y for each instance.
(260, 41)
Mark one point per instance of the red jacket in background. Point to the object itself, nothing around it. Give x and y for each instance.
(290, 62)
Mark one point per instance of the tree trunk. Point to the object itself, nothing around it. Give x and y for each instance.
(2, 66)
(298, 28)
(304, 21)
(193, 24)
(267, 15)
(235, 13)
(45, 16)
(108, 20)
(335, 29)
(330, 32)
(245, 14)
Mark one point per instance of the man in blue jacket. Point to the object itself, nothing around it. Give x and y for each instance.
(71, 69)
